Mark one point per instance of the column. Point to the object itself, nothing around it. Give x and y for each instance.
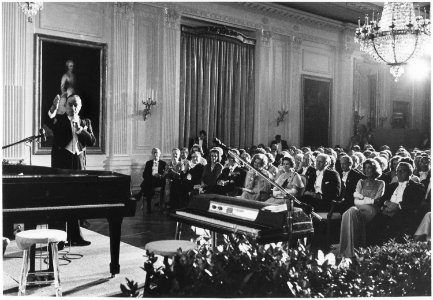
(170, 61)
(263, 87)
(295, 91)
(119, 100)
(14, 30)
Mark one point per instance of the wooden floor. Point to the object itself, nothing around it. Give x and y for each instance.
(143, 227)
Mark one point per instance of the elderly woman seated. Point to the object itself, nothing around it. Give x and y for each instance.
(290, 181)
(256, 187)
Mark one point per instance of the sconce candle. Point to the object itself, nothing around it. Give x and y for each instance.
(281, 116)
(147, 107)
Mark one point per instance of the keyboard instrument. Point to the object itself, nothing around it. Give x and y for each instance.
(263, 221)
(40, 195)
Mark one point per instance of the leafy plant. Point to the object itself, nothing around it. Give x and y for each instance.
(239, 267)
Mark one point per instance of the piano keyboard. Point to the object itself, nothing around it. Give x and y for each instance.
(68, 207)
(236, 228)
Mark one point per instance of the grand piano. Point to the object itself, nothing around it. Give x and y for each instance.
(39, 195)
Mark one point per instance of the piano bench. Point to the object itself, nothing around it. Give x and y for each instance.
(25, 239)
(169, 247)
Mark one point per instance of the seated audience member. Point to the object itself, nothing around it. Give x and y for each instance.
(424, 168)
(393, 163)
(153, 176)
(399, 213)
(289, 180)
(299, 158)
(212, 170)
(256, 187)
(383, 163)
(410, 161)
(308, 169)
(281, 144)
(183, 164)
(277, 155)
(361, 158)
(273, 170)
(332, 163)
(232, 178)
(349, 180)
(325, 188)
(201, 141)
(171, 173)
(195, 148)
(191, 180)
(366, 198)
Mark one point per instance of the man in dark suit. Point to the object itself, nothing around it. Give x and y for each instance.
(281, 144)
(400, 208)
(349, 179)
(153, 176)
(325, 188)
(308, 171)
(200, 140)
(71, 136)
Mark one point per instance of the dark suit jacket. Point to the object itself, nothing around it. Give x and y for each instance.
(62, 131)
(209, 177)
(331, 185)
(284, 144)
(405, 221)
(311, 178)
(348, 188)
(236, 180)
(149, 181)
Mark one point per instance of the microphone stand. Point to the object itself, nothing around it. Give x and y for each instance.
(290, 199)
(27, 139)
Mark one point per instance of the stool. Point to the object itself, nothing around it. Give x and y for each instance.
(25, 239)
(168, 248)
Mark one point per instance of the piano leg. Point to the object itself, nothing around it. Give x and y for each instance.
(178, 231)
(214, 240)
(115, 229)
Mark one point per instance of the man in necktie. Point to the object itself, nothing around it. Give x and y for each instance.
(325, 188)
(349, 179)
(400, 208)
(153, 176)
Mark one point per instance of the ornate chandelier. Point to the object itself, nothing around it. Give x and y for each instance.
(30, 9)
(399, 35)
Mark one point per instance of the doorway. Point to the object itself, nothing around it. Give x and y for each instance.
(316, 111)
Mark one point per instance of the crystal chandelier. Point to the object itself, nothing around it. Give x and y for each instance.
(401, 34)
(30, 9)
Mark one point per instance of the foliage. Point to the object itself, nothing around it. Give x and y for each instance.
(242, 268)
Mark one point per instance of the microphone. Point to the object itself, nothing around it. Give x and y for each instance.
(42, 135)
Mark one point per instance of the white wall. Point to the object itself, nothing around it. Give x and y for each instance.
(143, 42)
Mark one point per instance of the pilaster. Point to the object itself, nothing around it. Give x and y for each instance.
(170, 80)
(14, 30)
(295, 91)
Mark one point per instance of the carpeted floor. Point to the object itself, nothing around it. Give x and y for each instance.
(88, 276)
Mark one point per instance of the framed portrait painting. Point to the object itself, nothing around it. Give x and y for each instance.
(67, 66)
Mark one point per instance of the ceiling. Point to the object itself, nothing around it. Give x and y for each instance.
(347, 12)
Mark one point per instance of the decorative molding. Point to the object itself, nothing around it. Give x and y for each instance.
(124, 9)
(296, 43)
(265, 37)
(171, 18)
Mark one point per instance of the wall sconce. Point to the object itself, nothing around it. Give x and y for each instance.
(281, 116)
(30, 9)
(147, 107)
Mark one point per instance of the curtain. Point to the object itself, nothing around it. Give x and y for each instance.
(216, 88)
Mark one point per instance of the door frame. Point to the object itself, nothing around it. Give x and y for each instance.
(301, 127)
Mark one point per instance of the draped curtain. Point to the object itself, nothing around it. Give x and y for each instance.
(216, 88)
